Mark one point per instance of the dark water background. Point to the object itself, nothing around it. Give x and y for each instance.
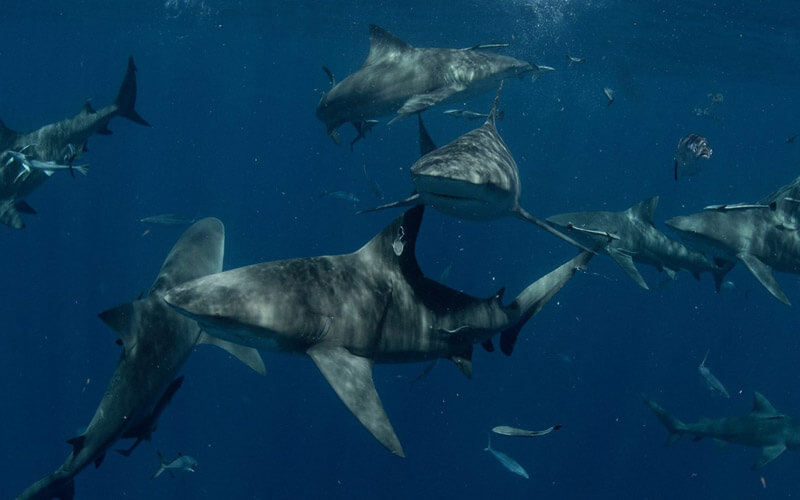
(230, 89)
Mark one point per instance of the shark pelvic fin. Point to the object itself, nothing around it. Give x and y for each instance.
(351, 378)
(126, 97)
(763, 274)
(382, 43)
(246, 355)
(625, 261)
(768, 454)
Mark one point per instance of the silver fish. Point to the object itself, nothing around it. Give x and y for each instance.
(712, 382)
(167, 220)
(506, 461)
(340, 194)
(575, 60)
(513, 431)
(609, 95)
(182, 462)
(471, 115)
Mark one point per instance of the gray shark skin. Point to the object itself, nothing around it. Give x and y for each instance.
(50, 142)
(399, 78)
(350, 311)
(763, 237)
(630, 236)
(474, 177)
(762, 427)
(156, 342)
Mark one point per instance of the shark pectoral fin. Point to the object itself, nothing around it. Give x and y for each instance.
(247, 355)
(625, 261)
(421, 102)
(351, 378)
(120, 319)
(763, 274)
(408, 202)
(768, 454)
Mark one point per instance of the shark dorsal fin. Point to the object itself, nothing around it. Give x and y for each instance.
(426, 144)
(645, 209)
(121, 319)
(493, 113)
(396, 244)
(761, 405)
(381, 43)
(88, 108)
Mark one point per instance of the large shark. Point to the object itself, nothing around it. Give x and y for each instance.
(399, 78)
(156, 342)
(630, 236)
(59, 142)
(350, 311)
(474, 177)
(762, 236)
(763, 427)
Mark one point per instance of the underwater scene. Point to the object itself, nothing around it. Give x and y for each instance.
(520, 248)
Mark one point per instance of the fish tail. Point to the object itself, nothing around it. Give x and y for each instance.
(675, 427)
(126, 97)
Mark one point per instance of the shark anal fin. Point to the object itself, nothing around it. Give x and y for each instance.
(246, 355)
(625, 261)
(768, 454)
(763, 274)
(421, 102)
(351, 378)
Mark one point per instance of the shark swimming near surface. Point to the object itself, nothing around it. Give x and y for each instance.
(474, 177)
(763, 236)
(397, 78)
(762, 427)
(156, 341)
(630, 236)
(49, 143)
(350, 311)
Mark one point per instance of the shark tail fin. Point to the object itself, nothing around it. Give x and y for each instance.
(675, 427)
(531, 300)
(126, 97)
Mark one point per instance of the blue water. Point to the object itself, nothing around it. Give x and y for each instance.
(231, 90)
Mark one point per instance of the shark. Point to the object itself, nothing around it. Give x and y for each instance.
(156, 342)
(474, 177)
(58, 143)
(348, 312)
(397, 78)
(762, 427)
(630, 236)
(762, 236)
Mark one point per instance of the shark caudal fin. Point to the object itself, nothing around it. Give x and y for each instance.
(675, 427)
(126, 97)
(531, 300)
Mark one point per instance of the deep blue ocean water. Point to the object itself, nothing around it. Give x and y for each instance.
(231, 88)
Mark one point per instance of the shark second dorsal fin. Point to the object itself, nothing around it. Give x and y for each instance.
(121, 319)
(645, 209)
(762, 405)
(246, 355)
(382, 43)
(396, 244)
(351, 378)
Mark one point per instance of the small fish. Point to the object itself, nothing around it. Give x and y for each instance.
(792, 138)
(506, 461)
(471, 115)
(28, 163)
(691, 148)
(575, 60)
(340, 194)
(712, 382)
(168, 220)
(609, 95)
(513, 431)
(182, 462)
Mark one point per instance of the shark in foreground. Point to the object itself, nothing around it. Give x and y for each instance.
(350, 311)
(59, 143)
(763, 236)
(630, 236)
(398, 78)
(156, 342)
(762, 427)
(474, 177)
